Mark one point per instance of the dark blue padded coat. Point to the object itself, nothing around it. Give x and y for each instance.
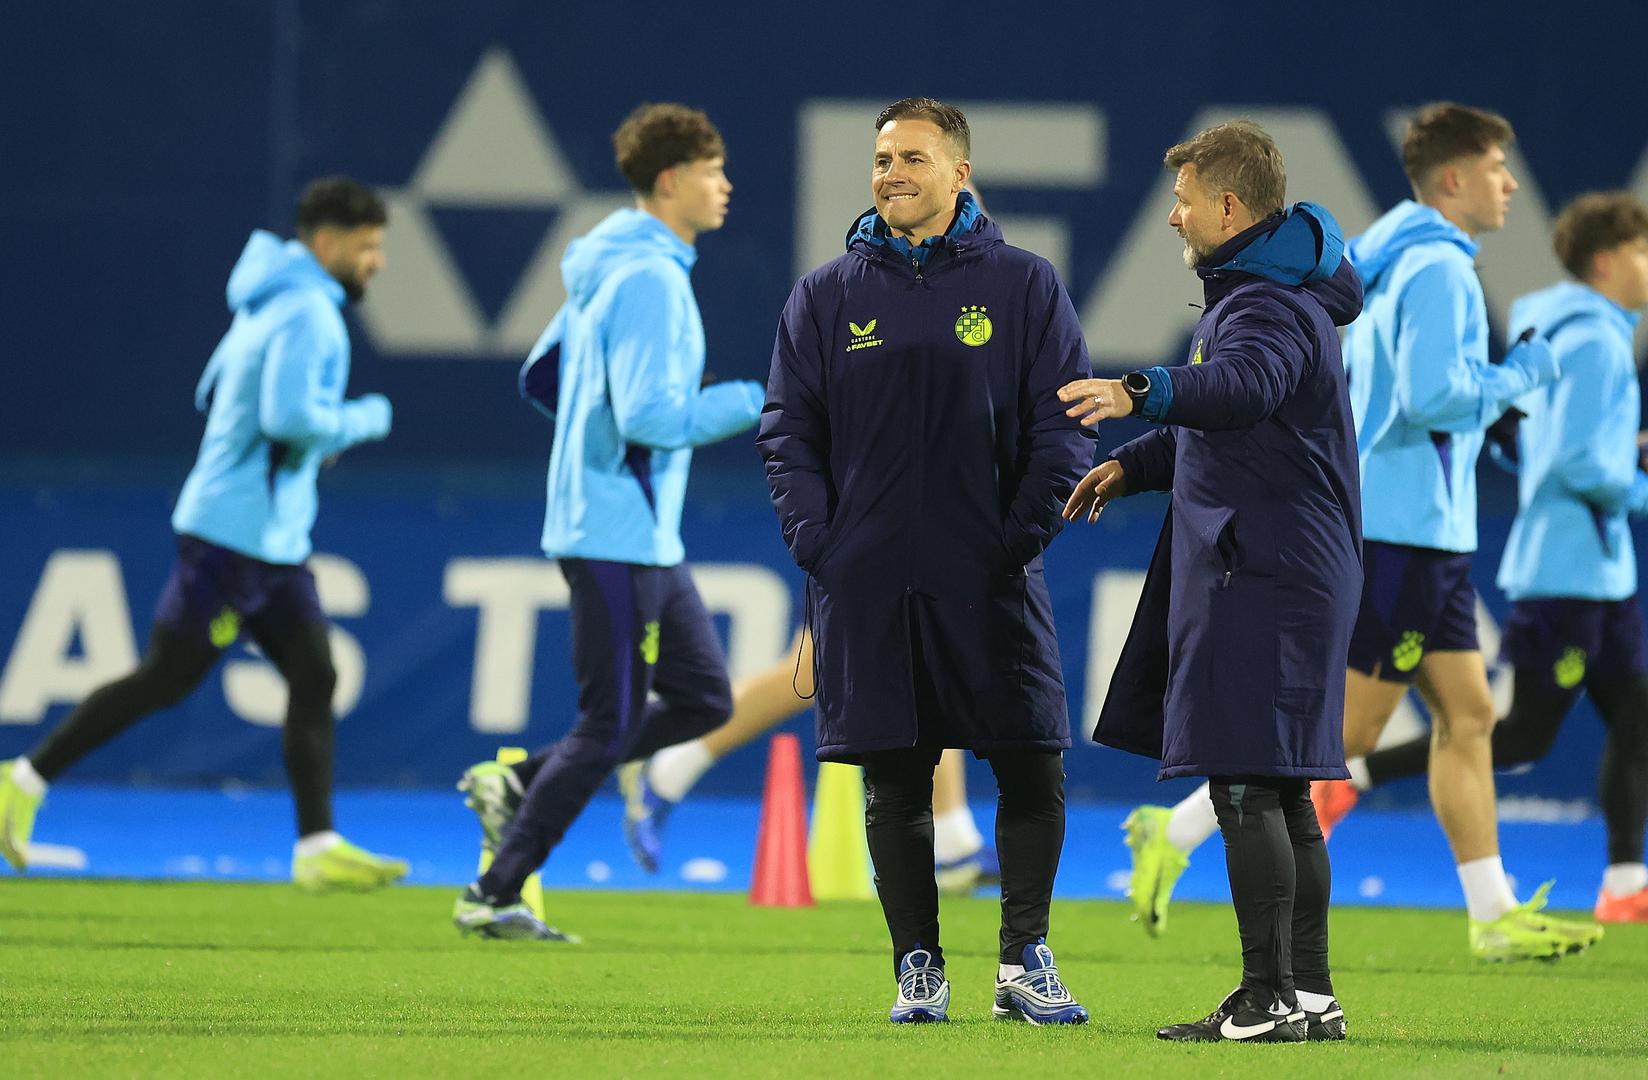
(1235, 664)
(918, 457)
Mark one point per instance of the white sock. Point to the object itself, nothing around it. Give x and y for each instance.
(1359, 778)
(315, 843)
(955, 835)
(1008, 971)
(24, 776)
(1316, 1003)
(673, 770)
(1193, 821)
(1625, 878)
(1488, 893)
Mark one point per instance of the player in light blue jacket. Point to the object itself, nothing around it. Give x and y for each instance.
(273, 397)
(1424, 394)
(621, 368)
(628, 353)
(1420, 382)
(1570, 568)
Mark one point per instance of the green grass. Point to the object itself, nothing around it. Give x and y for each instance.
(135, 979)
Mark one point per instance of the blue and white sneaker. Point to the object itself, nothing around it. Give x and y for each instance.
(477, 914)
(923, 991)
(644, 814)
(1038, 996)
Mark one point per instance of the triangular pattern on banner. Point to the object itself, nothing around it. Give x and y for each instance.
(494, 149)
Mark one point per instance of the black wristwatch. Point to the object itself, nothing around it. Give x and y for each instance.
(1137, 385)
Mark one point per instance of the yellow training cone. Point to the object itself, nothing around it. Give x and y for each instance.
(838, 859)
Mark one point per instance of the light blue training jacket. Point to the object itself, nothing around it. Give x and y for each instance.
(1421, 387)
(619, 367)
(1578, 479)
(273, 398)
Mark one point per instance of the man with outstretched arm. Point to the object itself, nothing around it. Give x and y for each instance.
(1234, 667)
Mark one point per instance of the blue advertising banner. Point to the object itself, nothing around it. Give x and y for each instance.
(451, 634)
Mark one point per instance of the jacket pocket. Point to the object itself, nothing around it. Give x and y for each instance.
(1228, 549)
(1011, 559)
(1215, 531)
(810, 555)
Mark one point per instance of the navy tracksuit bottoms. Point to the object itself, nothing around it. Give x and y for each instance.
(638, 632)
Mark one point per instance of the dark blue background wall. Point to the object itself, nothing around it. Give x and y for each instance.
(142, 142)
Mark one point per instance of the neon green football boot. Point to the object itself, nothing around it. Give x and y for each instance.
(1577, 934)
(1523, 933)
(17, 810)
(1157, 865)
(343, 866)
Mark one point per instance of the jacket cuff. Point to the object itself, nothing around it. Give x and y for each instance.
(1636, 504)
(1160, 399)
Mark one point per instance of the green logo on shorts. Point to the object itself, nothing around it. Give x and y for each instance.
(1570, 669)
(1408, 651)
(649, 643)
(224, 628)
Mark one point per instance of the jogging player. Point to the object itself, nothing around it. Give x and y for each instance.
(273, 398)
(620, 366)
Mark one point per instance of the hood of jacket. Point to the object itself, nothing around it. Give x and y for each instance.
(1404, 225)
(619, 240)
(1546, 310)
(269, 265)
(1302, 247)
(971, 230)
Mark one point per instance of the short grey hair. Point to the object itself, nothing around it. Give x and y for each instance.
(1237, 157)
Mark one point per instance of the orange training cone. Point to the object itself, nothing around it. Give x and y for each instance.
(780, 877)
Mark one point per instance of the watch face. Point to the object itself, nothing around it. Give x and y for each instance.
(1136, 383)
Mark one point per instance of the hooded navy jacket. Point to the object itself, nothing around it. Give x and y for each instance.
(918, 457)
(1235, 664)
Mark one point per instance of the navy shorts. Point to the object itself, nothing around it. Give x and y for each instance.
(213, 590)
(1414, 601)
(1566, 643)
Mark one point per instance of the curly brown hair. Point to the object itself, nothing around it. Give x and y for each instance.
(1596, 222)
(656, 137)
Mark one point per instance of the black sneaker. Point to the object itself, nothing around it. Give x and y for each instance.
(1327, 1025)
(1241, 1019)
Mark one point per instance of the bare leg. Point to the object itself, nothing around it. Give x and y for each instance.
(1455, 686)
(950, 782)
(766, 699)
(1369, 702)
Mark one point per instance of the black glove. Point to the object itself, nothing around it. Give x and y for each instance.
(1501, 437)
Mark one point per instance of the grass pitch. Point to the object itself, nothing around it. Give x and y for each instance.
(134, 979)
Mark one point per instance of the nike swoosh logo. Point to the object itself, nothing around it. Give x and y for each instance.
(1230, 1029)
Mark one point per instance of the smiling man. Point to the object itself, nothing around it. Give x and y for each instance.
(918, 457)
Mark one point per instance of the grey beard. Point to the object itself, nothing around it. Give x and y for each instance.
(1193, 255)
